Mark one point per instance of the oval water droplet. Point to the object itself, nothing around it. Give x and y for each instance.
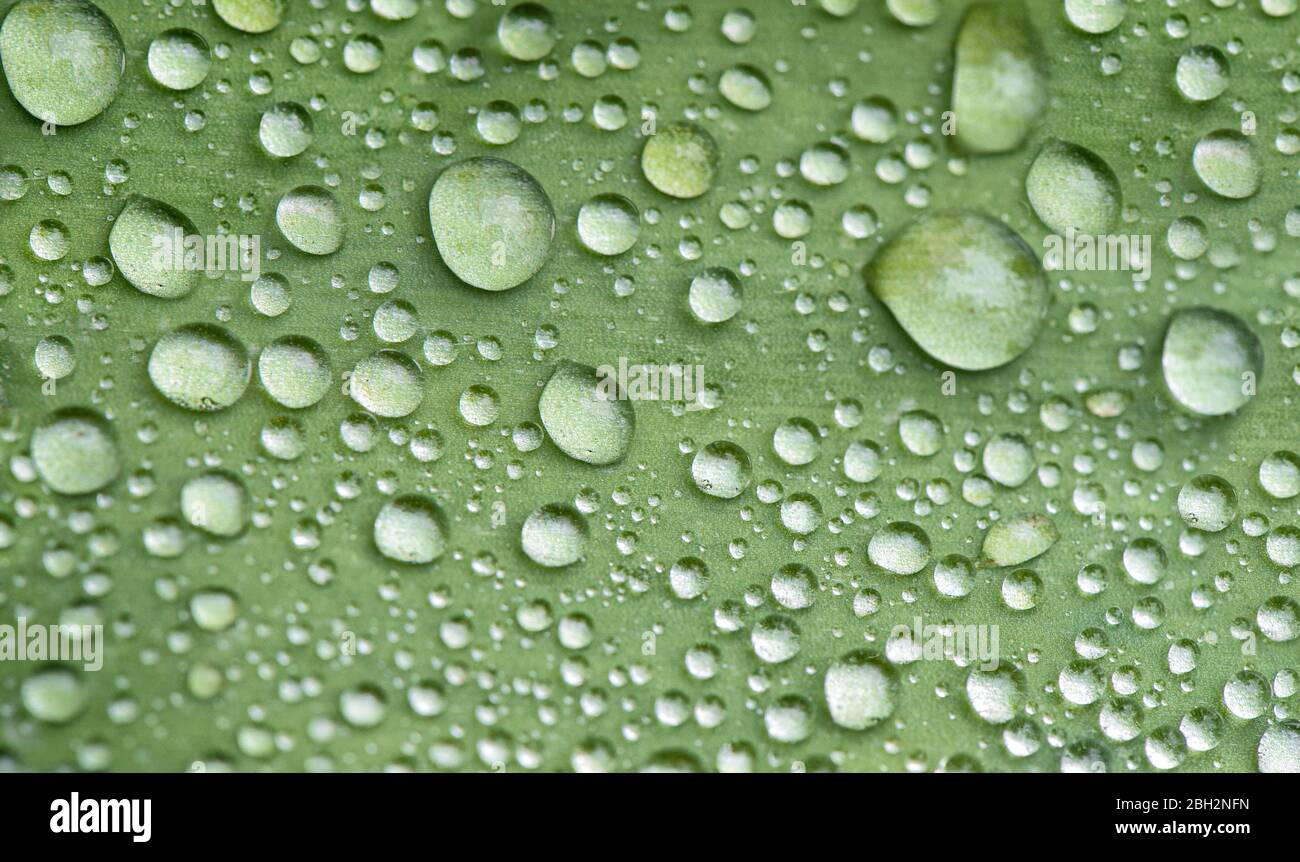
(200, 367)
(250, 16)
(965, 287)
(999, 85)
(410, 529)
(1226, 161)
(147, 242)
(586, 415)
(388, 384)
(74, 451)
(492, 222)
(1211, 359)
(179, 59)
(554, 536)
(1070, 187)
(680, 160)
(310, 219)
(63, 59)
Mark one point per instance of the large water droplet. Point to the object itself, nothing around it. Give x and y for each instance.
(1202, 73)
(585, 416)
(285, 130)
(721, 469)
(63, 59)
(1018, 539)
(200, 366)
(964, 286)
(1070, 187)
(410, 529)
(527, 32)
(216, 503)
(493, 223)
(859, 691)
(999, 86)
(388, 384)
(74, 451)
(554, 536)
(179, 59)
(147, 242)
(1227, 163)
(294, 371)
(250, 16)
(680, 160)
(1212, 361)
(310, 219)
(609, 224)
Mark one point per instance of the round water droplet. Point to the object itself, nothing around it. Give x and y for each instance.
(479, 405)
(1279, 475)
(554, 536)
(1018, 539)
(964, 286)
(1202, 73)
(859, 691)
(310, 219)
(200, 367)
(824, 164)
(1227, 163)
(410, 529)
(586, 414)
(285, 130)
(715, 295)
(148, 243)
(996, 695)
(999, 86)
(179, 59)
(1070, 187)
(54, 357)
(745, 87)
(1008, 460)
(1187, 237)
(721, 469)
(216, 503)
(796, 442)
(609, 224)
(527, 32)
(1095, 16)
(900, 547)
(74, 451)
(914, 13)
(1207, 503)
(875, 120)
(492, 222)
(1279, 748)
(250, 16)
(1212, 361)
(680, 160)
(388, 384)
(50, 239)
(54, 695)
(294, 371)
(63, 59)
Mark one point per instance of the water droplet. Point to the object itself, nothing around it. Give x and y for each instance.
(54, 695)
(409, 529)
(745, 87)
(179, 59)
(1070, 187)
(721, 469)
(609, 224)
(63, 59)
(294, 371)
(250, 16)
(200, 367)
(554, 535)
(1211, 360)
(147, 242)
(996, 695)
(1095, 16)
(680, 160)
(527, 32)
(1207, 503)
(999, 86)
(492, 222)
(215, 502)
(1279, 475)
(584, 417)
(964, 286)
(285, 130)
(1279, 748)
(74, 451)
(1227, 163)
(388, 384)
(796, 442)
(715, 295)
(900, 547)
(1018, 539)
(1202, 73)
(310, 219)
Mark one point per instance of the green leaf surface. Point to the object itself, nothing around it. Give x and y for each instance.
(402, 569)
